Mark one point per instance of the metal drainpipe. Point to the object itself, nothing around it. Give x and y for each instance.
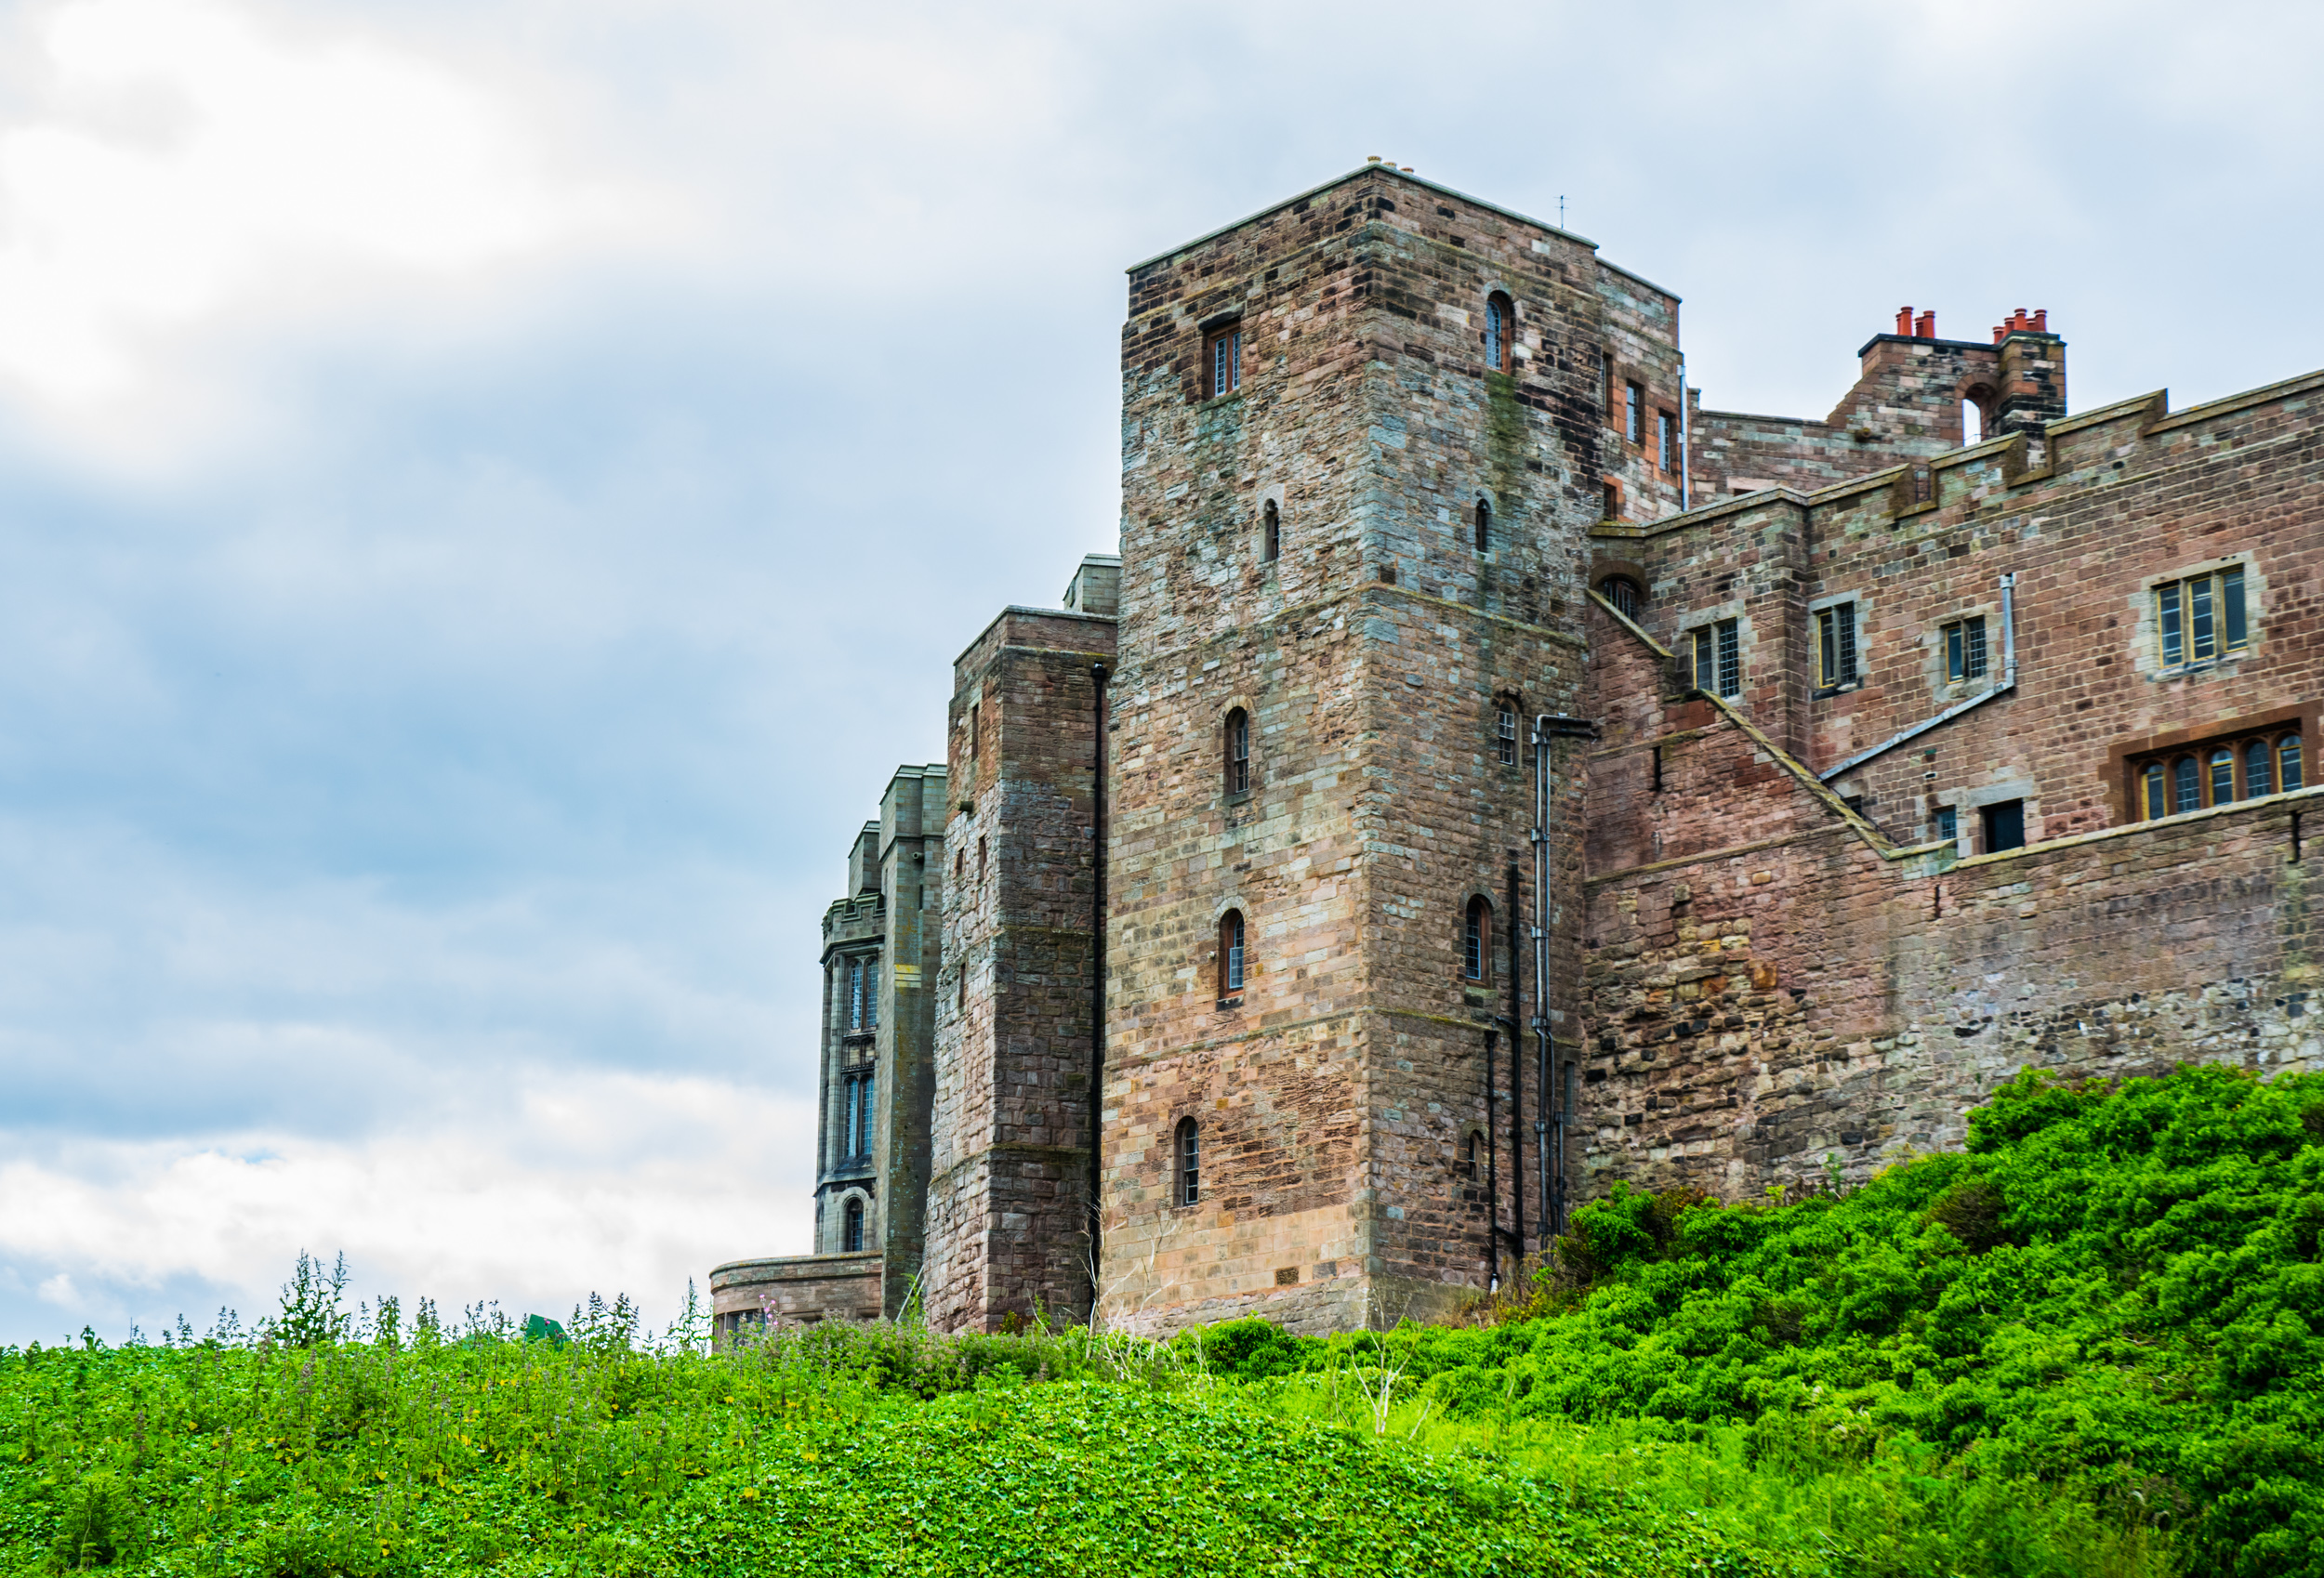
(1097, 978)
(1550, 1224)
(2009, 628)
(1492, 1174)
(1516, 1078)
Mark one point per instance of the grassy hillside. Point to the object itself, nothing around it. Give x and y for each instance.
(2087, 1346)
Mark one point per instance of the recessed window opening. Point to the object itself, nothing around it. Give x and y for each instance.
(973, 719)
(1238, 752)
(2202, 618)
(1606, 384)
(960, 994)
(1223, 363)
(2005, 825)
(1472, 1157)
(1666, 440)
(1948, 822)
(1501, 324)
(1230, 953)
(1836, 646)
(1186, 1188)
(1634, 413)
(1272, 527)
(855, 1125)
(852, 1235)
(1613, 501)
(1623, 593)
(1964, 650)
(1716, 654)
(980, 860)
(1505, 732)
(1972, 423)
(2216, 772)
(1484, 522)
(1477, 941)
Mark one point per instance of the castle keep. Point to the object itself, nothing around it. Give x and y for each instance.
(1849, 766)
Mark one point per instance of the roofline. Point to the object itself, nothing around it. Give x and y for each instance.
(1416, 180)
(1040, 612)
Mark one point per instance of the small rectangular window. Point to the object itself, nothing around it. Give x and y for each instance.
(1667, 441)
(2202, 618)
(1223, 363)
(1836, 646)
(2004, 826)
(1634, 413)
(1716, 654)
(1948, 822)
(1964, 649)
(1505, 737)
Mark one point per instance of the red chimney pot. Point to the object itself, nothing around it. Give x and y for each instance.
(1904, 320)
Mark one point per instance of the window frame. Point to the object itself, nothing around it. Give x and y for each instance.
(1989, 817)
(1838, 665)
(1618, 590)
(1500, 332)
(1234, 955)
(1235, 753)
(1476, 940)
(1505, 716)
(1715, 657)
(1186, 1164)
(1968, 655)
(1271, 531)
(2181, 779)
(852, 1223)
(1223, 361)
(1666, 440)
(2210, 609)
(1634, 413)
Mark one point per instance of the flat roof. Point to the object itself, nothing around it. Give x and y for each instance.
(1416, 180)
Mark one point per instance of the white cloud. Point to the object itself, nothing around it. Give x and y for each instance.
(187, 164)
(582, 1183)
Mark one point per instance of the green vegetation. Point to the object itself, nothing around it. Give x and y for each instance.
(2085, 1347)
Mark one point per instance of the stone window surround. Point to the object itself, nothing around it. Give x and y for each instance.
(1966, 802)
(1865, 605)
(2144, 626)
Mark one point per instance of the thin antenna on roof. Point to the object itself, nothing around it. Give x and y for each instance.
(1561, 210)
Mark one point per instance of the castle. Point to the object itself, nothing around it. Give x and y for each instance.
(1485, 775)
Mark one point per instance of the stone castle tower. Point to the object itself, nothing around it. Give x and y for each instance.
(1434, 578)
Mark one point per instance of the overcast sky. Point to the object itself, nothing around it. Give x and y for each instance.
(488, 491)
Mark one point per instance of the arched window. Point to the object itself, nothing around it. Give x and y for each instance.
(1505, 730)
(1274, 523)
(1624, 594)
(851, 1232)
(2259, 768)
(1230, 953)
(1187, 1156)
(1476, 940)
(1238, 752)
(1500, 328)
(2186, 785)
(1473, 1159)
(2288, 764)
(2222, 776)
(2151, 790)
(1484, 526)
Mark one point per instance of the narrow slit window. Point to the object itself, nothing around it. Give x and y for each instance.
(1473, 1162)
(1477, 940)
(1231, 954)
(1505, 734)
(973, 720)
(1189, 1158)
(1606, 384)
(1501, 322)
(1836, 646)
(2151, 790)
(851, 1236)
(2259, 768)
(1222, 359)
(1612, 502)
(854, 1122)
(871, 994)
(1484, 526)
(1634, 413)
(1238, 752)
(1667, 441)
(1272, 547)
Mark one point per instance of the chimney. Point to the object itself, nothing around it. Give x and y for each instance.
(1904, 320)
(1997, 333)
(2041, 320)
(1926, 327)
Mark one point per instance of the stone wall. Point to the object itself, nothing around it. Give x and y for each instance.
(1009, 1190)
(797, 1290)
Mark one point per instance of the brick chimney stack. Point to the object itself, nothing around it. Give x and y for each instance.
(2032, 391)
